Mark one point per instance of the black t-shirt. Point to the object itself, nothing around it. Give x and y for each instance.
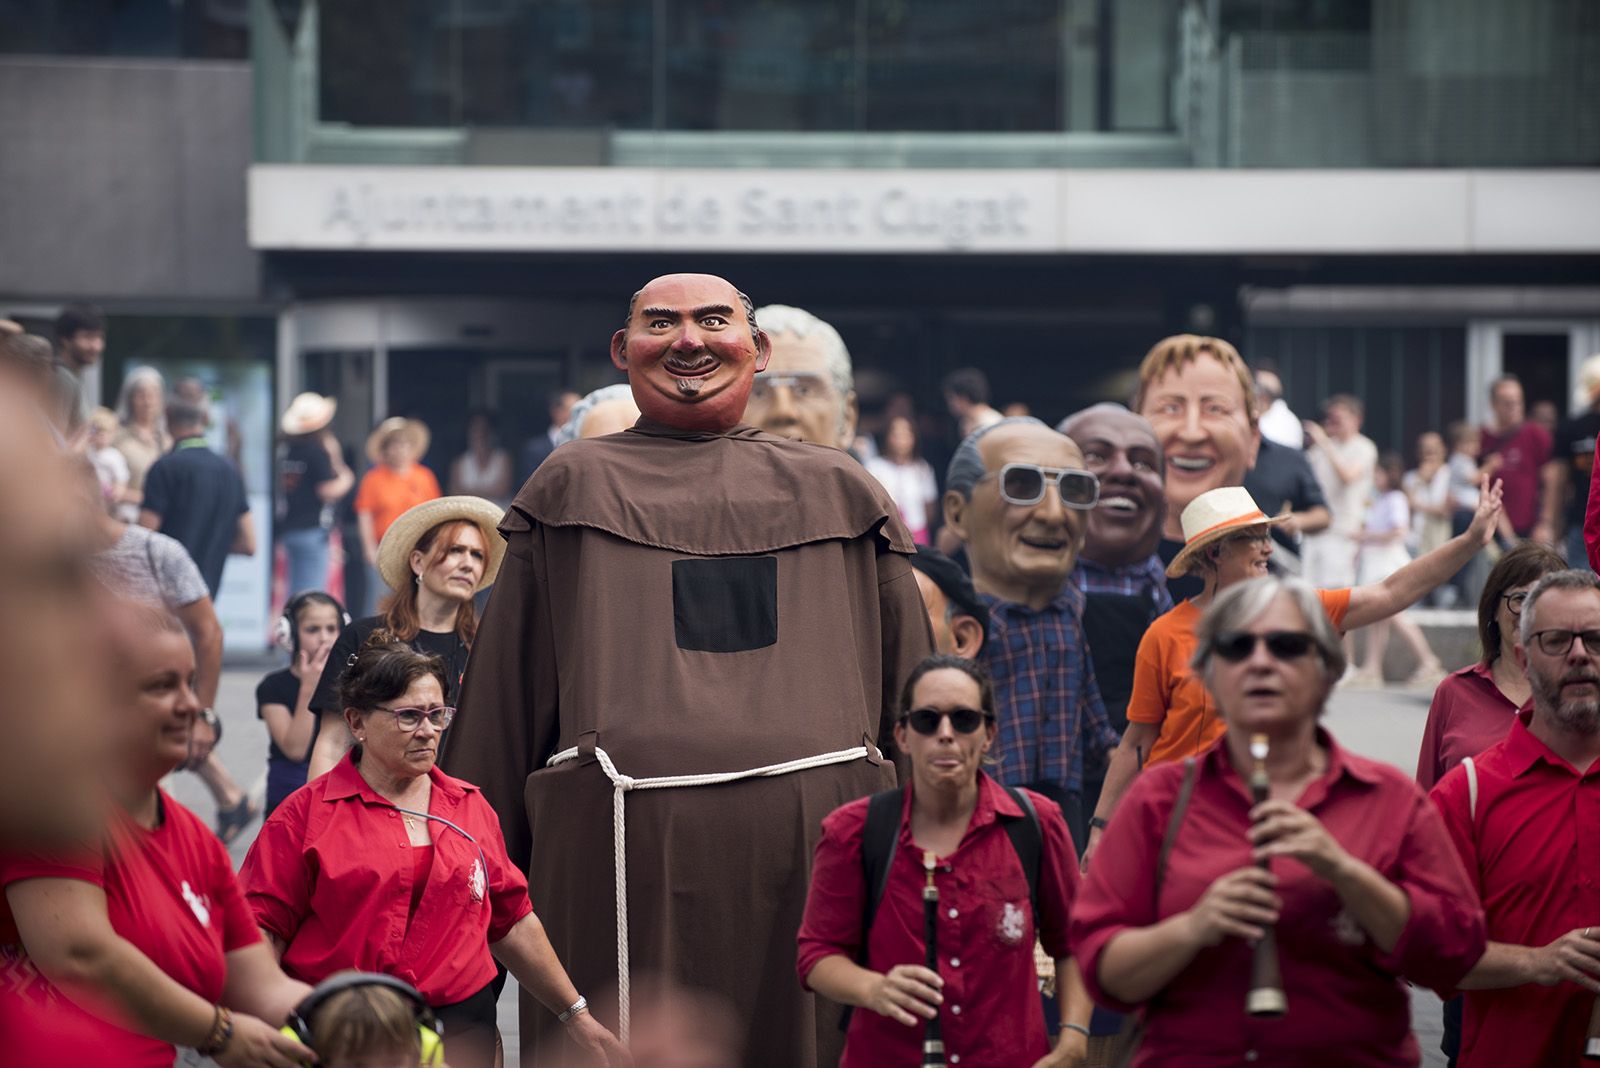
(1181, 588)
(1113, 626)
(1574, 445)
(280, 688)
(199, 497)
(448, 647)
(304, 466)
(1282, 479)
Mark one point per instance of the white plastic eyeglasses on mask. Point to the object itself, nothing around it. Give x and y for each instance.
(1024, 484)
(802, 387)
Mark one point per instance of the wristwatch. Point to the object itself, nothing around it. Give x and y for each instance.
(211, 719)
(1097, 823)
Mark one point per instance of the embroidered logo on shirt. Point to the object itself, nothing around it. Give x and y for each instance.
(476, 881)
(1347, 930)
(198, 904)
(1013, 924)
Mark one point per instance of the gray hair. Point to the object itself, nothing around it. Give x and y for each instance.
(572, 430)
(784, 319)
(1242, 604)
(1577, 578)
(966, 466)
(135, 378)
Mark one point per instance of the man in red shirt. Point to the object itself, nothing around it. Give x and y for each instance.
(1521, 814)
(1515, 450)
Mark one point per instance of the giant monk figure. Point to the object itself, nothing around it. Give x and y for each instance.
(692, 655)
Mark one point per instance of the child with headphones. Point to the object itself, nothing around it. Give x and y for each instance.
(310, 624)
(366, 1020)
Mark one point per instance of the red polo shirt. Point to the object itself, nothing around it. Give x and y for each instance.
(1533, 853)
(1524, 450)
(991, 1014)
(170, 892)
(1467, 716)
(1348, 1005)
(331, 874)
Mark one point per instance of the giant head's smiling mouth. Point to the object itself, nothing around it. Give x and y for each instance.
(697, 366)
(1192, 464)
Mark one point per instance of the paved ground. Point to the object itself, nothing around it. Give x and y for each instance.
(1384, 724)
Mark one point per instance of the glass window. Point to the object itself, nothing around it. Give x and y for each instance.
(197, 29)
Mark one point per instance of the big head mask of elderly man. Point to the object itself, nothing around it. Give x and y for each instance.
(691, 349)
(807, 392)
(1018, 496)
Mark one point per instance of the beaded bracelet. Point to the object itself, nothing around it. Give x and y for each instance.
(221, 1032)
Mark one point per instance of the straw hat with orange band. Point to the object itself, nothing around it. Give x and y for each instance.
(1213, 516)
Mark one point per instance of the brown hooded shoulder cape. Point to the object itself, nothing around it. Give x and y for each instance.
(689, 603)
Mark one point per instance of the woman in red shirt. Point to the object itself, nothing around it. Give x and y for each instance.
(1472, 708)
(120, 953)
(386, 864)
(985, 993)
(1374, 896)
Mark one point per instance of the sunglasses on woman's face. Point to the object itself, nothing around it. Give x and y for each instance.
(1024, 484)
(1236, 646)
(926, 720)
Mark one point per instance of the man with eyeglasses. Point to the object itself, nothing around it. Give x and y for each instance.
(1019, 496)
(807, 392)
(1227, 540)
(1522, 814)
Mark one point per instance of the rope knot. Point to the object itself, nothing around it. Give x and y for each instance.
(623, 782)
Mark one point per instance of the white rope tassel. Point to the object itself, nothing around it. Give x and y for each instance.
(621, 784)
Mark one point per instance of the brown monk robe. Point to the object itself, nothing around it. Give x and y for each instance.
(689, 602)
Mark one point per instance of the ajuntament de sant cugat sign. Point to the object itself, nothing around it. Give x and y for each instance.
(582, 209)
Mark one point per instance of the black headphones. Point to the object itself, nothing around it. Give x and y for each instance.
(429, 1032)
(286, 631)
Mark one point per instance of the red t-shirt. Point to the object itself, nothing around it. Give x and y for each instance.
(171, 892)
(1348, 1006)
(333, 871)
(1523, 452)
(991, 1016)
(1533, 855)
(1467, 716)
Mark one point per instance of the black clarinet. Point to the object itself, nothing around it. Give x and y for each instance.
(1266, 996)
(932, 1038)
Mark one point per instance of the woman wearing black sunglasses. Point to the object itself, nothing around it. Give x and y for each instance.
(985, 993)
(1346, 860)
(386, 864)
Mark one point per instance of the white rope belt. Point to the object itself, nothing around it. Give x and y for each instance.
(620, 786)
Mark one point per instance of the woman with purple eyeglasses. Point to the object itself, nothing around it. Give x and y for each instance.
(386, 864)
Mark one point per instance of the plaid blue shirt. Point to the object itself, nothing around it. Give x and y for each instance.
(1044, 690)
(1147, 578)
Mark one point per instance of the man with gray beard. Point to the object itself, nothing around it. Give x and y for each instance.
(1523, 815)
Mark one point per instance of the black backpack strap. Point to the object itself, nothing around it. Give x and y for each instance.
(879, 839)
(1028, 840)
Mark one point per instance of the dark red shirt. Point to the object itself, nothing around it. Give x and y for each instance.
(1348, 1005)
(1467, 716)
(1523, 451)
(170, 892)
(991, 1016)
(1533, 854)
(331, 875)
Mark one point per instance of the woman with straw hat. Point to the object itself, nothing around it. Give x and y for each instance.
(396, 481)
(1227, 540)
(434, 558)
(313, 475)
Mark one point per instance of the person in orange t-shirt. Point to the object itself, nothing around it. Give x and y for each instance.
(395, 483)
(1227, 540)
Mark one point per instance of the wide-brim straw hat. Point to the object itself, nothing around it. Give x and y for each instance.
(307, 414)
(394, 551)
(1211, 517)
(398, 424)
